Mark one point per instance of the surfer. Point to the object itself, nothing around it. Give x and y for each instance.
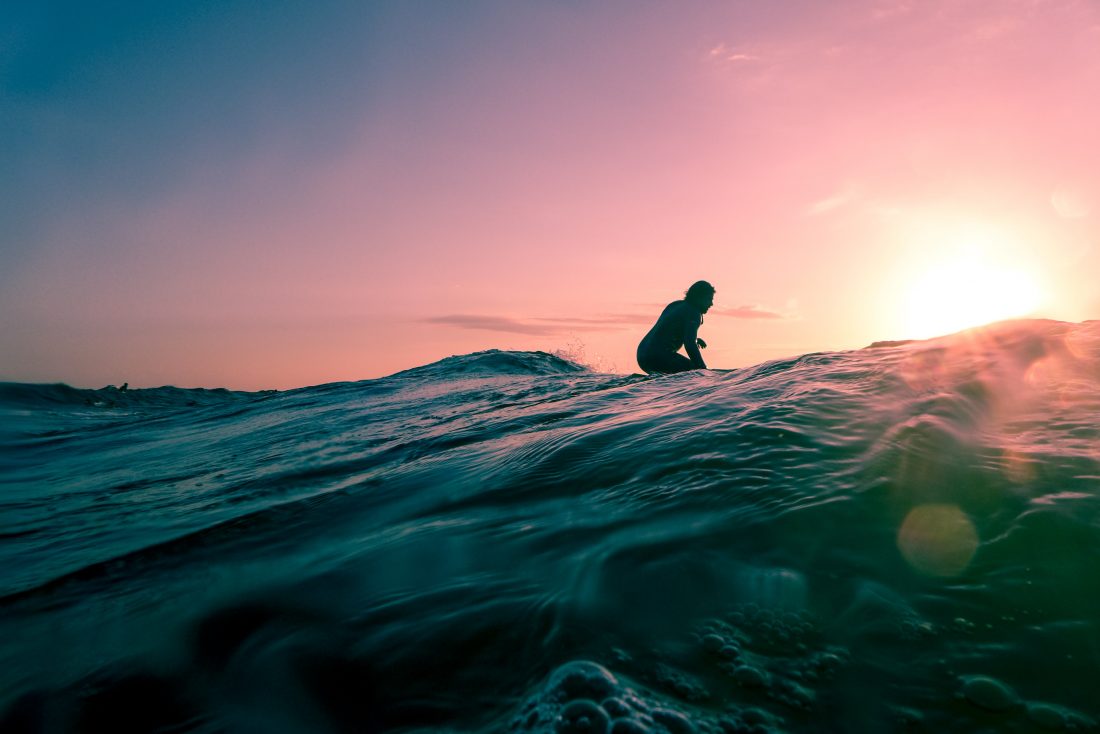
(677, 327)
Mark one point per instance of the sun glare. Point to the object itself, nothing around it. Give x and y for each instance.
(955, 272)
(966, 292)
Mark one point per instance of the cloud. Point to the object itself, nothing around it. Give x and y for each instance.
(835, 201)
(887, 10)
(746, 312)
(615, 319)
(550, 326)
(492, 323)
(722, 52)
(538, 326)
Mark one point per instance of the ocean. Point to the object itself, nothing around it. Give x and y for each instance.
(904, 537)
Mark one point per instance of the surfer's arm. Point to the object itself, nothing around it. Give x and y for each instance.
(691, 345)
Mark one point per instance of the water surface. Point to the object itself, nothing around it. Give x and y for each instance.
(903, 537)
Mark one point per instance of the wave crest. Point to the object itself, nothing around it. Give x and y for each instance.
(494, 362)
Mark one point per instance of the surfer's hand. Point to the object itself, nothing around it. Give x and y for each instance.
(702, 344)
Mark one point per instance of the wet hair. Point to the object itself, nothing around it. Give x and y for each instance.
(699, 289)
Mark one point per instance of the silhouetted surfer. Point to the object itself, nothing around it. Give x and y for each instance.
(677, 327)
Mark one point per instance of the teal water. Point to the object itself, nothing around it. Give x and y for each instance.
(899, 538)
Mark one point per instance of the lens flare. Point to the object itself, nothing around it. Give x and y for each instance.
(938, 540)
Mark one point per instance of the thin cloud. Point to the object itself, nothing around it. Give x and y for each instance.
(536, 326)
(615, 319)
(746, 312)
(722, 52)
(478, 322)
(831, 203)
(557, 326)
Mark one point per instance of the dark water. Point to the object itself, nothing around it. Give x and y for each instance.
(900, 538)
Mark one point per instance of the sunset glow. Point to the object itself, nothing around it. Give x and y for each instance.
(342, 190)
(967, 292)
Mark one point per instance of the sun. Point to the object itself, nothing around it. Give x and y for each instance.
(967, 290)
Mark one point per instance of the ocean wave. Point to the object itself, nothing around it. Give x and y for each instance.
(15, 395)
(898, 536)
(493, 362)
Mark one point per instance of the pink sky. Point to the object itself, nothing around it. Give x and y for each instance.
(549, 176)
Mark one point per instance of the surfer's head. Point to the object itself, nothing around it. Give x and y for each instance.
(701, 295)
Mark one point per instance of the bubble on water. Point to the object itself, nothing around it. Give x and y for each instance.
(1054, 717)
(674, 721)
(567, 704)
(827, 661)
(1046, 716)
(938, 540)
(907, 718)
(916, 629)
(794, 694)
(770, 653)
(749, 676)
(765, 630)
(749, 720)
(729, 652)
(616, 708)
(988, 693)
(963, 625)
(684, 685)
(628, 726)
(582, 679)
(713, 642)
(583, 717)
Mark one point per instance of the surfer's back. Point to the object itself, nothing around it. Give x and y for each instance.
(667, 335)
